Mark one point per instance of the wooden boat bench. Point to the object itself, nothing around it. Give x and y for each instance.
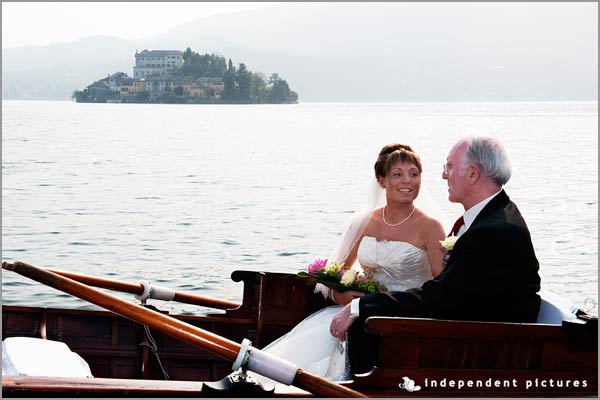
(522, 358)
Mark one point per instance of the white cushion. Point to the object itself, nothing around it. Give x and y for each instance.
(555, 309)
(39, 357)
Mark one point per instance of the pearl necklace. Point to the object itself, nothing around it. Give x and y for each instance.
(399, 223)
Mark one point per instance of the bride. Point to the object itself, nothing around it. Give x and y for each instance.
(393, 237)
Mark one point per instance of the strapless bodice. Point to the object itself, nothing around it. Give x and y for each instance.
(398, 265)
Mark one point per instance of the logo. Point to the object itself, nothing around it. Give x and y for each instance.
(409, 385)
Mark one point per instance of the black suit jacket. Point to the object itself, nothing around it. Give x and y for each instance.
(492, 272)
(491, 275)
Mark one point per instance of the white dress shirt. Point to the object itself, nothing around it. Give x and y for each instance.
(473, 212)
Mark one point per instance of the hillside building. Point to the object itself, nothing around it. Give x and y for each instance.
(155, 63)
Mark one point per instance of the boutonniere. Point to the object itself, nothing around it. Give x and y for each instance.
(448, 245)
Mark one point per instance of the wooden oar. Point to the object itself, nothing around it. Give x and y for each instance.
(187, 333)
(138, 289)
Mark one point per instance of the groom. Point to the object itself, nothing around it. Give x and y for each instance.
(491, 274)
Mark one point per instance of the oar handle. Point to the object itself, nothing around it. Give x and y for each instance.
(138, 289)
(185, 332)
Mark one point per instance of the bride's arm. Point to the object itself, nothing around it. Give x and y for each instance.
(433, 233)
(351, 259)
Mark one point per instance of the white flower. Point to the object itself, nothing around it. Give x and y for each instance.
(333, 268)
(348, 278)
(448, 243)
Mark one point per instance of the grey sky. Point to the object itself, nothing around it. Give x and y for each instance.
(42, 23)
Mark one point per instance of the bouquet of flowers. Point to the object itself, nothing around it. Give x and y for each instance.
(341, 277)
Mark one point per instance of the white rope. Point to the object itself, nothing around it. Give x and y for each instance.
(265, 364)
(161, 293)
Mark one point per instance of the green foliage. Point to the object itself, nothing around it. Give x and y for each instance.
(178, 90)
(187, 54)
(368, 284)
(81, 96)
(170, 98)
(245, 86)
(243, 79)
(274, 78)
(258, 88)
(207, 65)
(280, 91)
(142, 97)
(230, 91)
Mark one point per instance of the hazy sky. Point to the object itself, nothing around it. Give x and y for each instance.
(42, 23)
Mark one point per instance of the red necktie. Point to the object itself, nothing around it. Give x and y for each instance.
(459, 222)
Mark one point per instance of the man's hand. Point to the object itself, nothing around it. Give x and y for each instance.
(340, 323)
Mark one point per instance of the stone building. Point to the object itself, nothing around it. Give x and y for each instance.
(155, 63)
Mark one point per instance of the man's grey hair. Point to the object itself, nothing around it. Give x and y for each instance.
(489, 154)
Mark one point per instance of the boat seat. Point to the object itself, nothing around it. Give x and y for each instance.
(39, 357)
(555, 309)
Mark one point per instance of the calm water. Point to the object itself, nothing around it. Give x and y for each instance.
(184, 195)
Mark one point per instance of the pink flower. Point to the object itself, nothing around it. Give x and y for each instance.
(316, 266)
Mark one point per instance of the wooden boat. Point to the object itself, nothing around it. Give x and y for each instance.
(441, 358)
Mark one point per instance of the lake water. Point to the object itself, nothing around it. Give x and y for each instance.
(184, 195)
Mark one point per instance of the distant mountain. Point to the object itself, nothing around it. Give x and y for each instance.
(54, 72)
(359, 51)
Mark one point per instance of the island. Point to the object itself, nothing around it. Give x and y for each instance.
(176, 77)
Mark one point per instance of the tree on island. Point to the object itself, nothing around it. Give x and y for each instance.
(207, 65)
(230, 90)
(81, 96)
(244, 86)
(280, 91)
(258, 87)
(178, 90)
(243, 82)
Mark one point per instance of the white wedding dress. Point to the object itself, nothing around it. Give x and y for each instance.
(398, 265)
